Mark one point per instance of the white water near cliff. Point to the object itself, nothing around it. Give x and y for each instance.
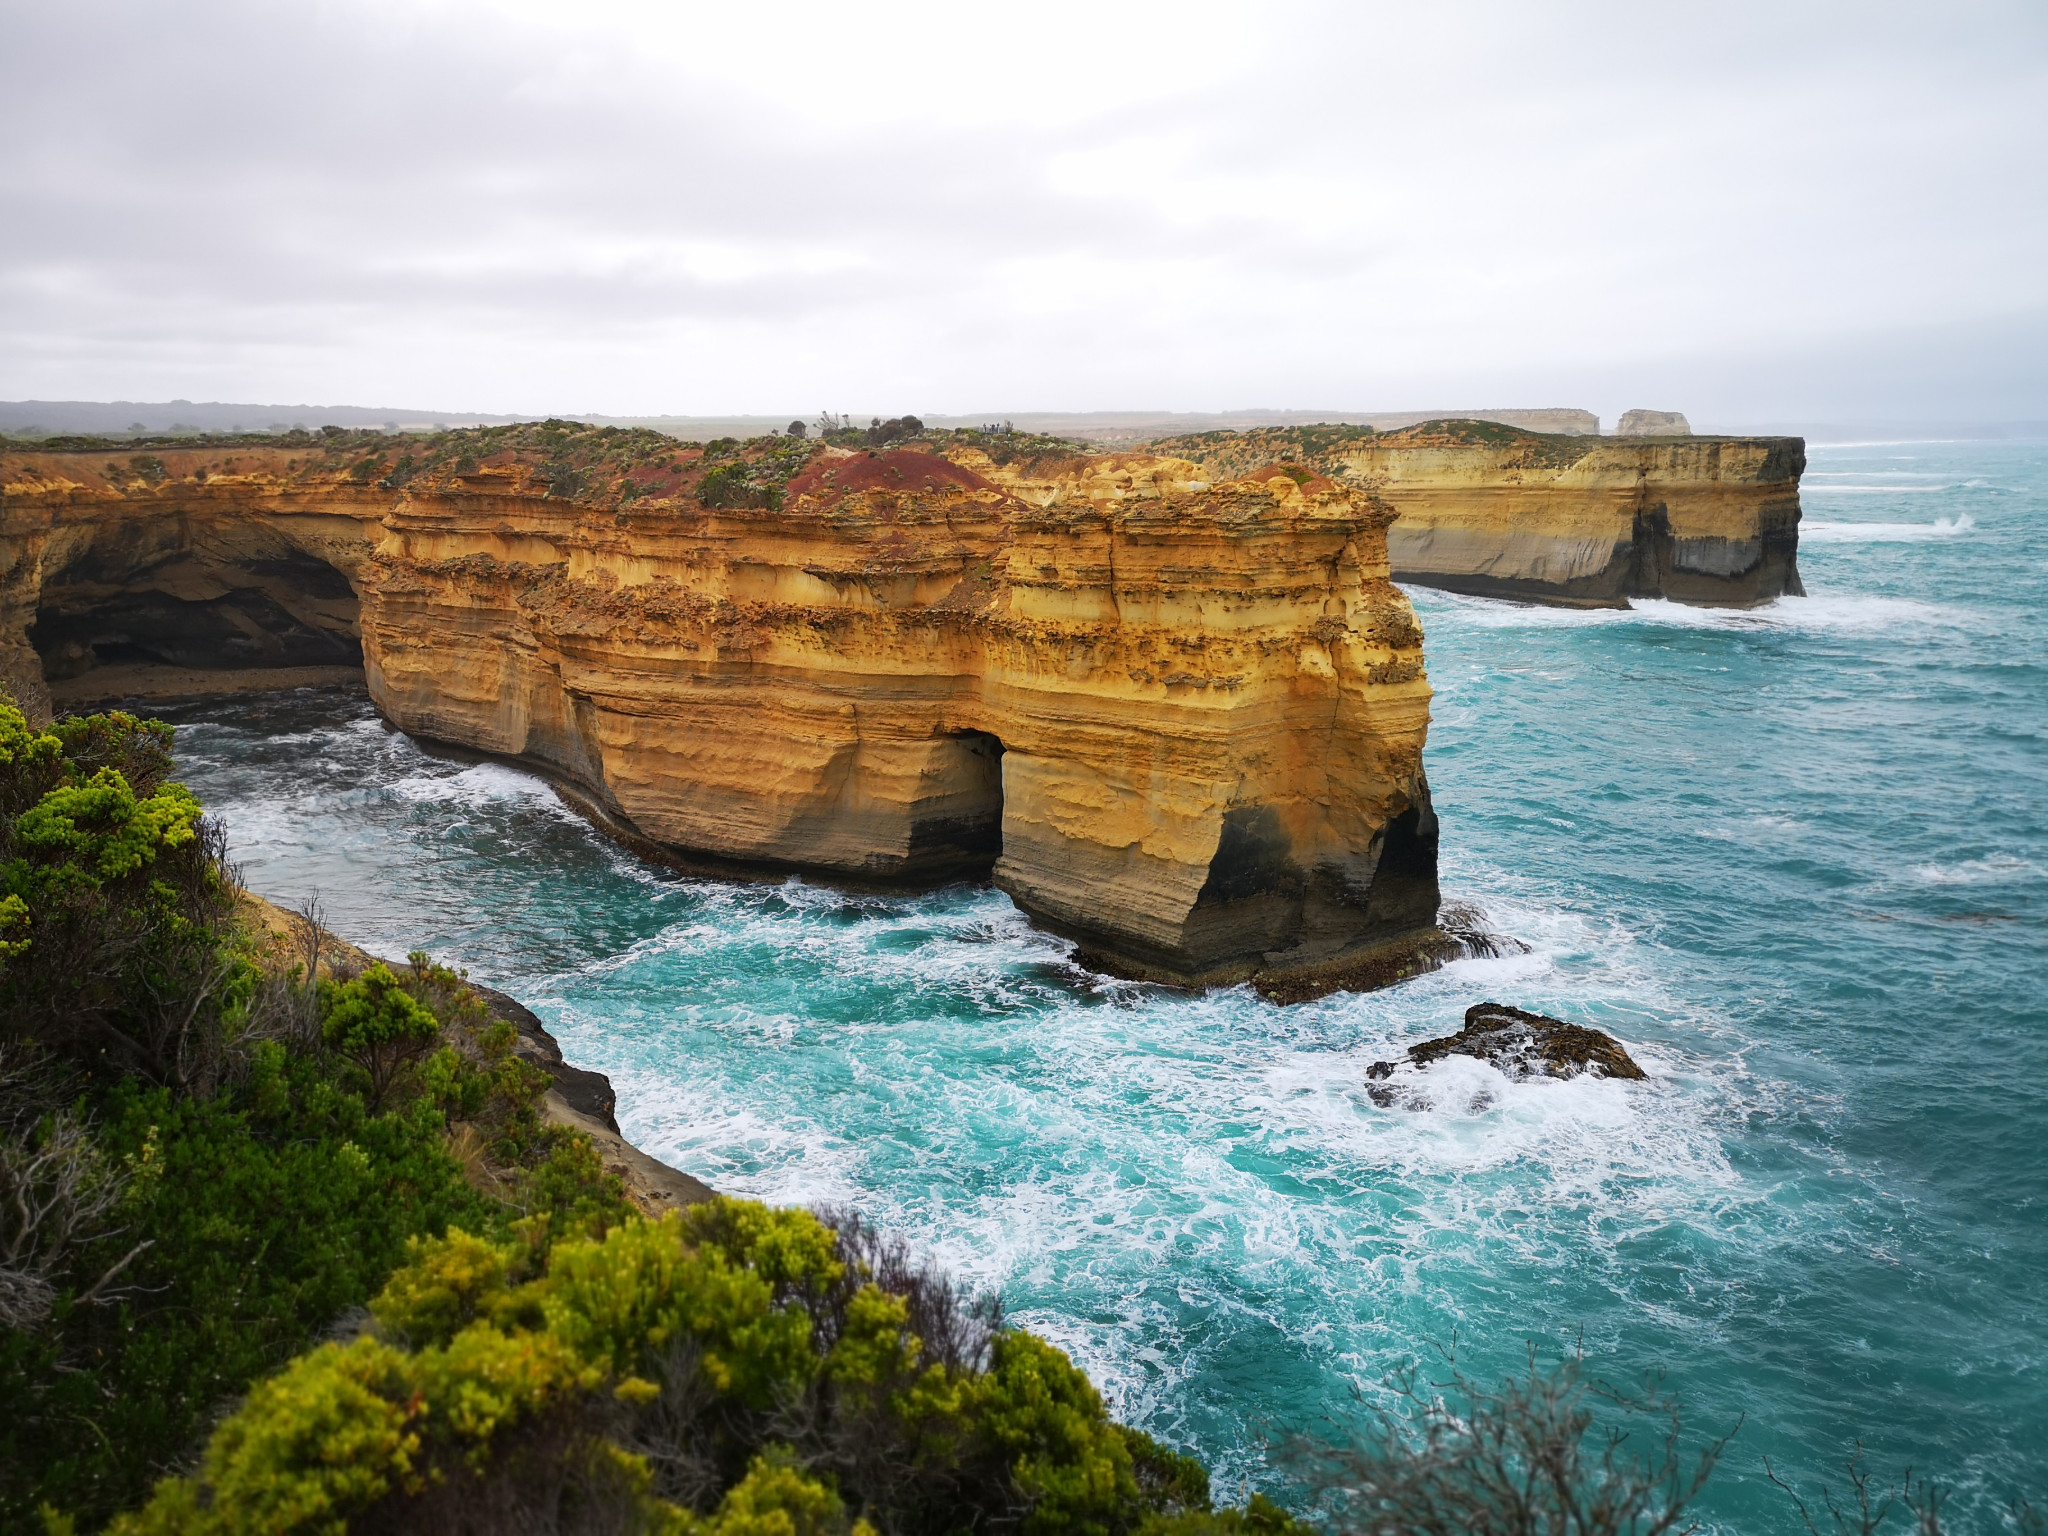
(1792, 856)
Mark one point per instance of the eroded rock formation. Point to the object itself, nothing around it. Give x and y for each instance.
(207, 559)
(1496, 512)
(1179, 718)
(1640, 423)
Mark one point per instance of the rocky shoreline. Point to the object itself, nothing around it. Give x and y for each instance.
(579, 1098)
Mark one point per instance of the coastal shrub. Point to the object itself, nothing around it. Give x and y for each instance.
(112, 894)
(405, 470)
(377, 1027)
(731, 1369)
(737, 485)
(211, 1159)
(563, 479)
(877, 434)
(206, 1160)
(263, 1213)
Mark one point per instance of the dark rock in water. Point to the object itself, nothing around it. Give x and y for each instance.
(1464, 926)
(1522, 1045)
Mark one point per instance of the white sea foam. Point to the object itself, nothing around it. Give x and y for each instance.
(1153, 1178)
(1877, 490)
(1886, 533)
(475, 787)
(1994, 868)
(705, 1127)
(1819, 610)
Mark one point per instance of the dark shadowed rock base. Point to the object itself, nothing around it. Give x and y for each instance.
(1460, 934)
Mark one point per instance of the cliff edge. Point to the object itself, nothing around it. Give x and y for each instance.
(578, 1098)
(1179, 718)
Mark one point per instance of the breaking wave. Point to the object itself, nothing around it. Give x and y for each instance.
(1886, 533)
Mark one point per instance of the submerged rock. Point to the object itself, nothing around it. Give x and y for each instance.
(1522, 1045)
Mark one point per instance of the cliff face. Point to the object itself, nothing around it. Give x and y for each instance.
(1178, 719)
(1497, 512)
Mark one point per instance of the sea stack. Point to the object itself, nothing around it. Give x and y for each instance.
(1653, 424)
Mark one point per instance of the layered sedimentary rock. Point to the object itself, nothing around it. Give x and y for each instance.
(1179, 719)
(1496, 512)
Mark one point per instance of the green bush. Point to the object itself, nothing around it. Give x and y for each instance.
(203, 1164)
(378, 1027)
(112, 898)
(735, 485)
(732, 1369)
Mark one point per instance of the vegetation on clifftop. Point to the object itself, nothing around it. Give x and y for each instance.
(611, 468)
(1322, 447)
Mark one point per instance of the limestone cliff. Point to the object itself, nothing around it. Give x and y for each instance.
(1178, 718)
(1497, 512)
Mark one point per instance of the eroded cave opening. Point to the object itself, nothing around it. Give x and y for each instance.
(284, 610)
(958, 829)
(1405, 893)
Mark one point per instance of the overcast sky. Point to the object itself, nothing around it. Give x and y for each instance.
(1750, 212)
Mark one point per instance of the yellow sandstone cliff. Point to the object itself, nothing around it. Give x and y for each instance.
(1179, 719)
(1494, 511)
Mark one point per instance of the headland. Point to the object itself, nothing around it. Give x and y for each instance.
(1178, 720)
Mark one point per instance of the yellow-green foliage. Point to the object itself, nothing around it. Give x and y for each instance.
(375, 1023)
(292, 1150)
(104, 829)
(109, 886)
(480, 1368)
(773, 1499)
(645, 1285)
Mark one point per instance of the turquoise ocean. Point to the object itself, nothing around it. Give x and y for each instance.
(1796, 858)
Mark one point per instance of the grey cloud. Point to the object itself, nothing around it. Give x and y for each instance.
(1374, 205)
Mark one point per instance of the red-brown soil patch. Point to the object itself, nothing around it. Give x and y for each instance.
(894, 469)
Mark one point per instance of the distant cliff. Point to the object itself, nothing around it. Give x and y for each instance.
(1178, 719)
(1641, 423)
(1494, 511)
